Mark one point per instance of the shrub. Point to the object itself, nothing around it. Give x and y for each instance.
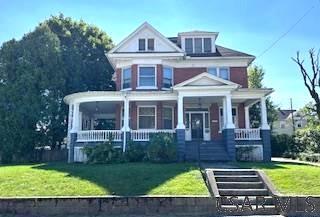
(104, 153)
(311, 157)
(281, 144)
(309, 138)
(162, 148)
(135, 152)
(247, 153)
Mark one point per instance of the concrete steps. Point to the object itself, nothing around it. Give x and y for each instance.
(209, 150)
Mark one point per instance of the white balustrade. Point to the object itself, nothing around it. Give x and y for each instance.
(144, 135)
(98, 135)
(247, 134)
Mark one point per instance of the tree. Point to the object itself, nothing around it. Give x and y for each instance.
(59, 57)
(311, 78)
(310, 114)
(255, 78)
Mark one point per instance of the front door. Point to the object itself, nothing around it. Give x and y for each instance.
(197, 126)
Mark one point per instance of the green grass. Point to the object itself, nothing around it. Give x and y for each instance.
(62, 179)
(291, 178)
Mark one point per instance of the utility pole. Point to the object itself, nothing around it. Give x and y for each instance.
(293, 122)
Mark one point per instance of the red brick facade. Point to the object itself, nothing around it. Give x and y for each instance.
(237, 75)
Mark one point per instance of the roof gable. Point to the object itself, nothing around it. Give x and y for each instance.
(130, 43)
(206, 79)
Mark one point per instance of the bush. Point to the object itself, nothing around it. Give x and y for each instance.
(247, 153)
(104, 153)
(311, 157)
(135, 152)
(281, 145)
(162, 148)
(309, 138)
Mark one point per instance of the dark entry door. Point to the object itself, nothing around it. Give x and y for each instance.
(197, 126)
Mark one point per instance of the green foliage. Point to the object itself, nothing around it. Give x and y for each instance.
(59, 57)
(255, 79)
(162, 148)
(309, 112)
(135, 152)
(282, 144)
(309, 138)
(103, 153)
(311, 157)
(245, 153)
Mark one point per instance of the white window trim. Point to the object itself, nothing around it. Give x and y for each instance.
(220, 119)
(172, 120)
(218, 71)
(123, 89)
(155, 78)
(155, 116)
(166, 66)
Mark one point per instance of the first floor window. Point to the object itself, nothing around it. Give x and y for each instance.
(147, 76)
(167, 118)
(147, 118)
(167, 77)
(126, 78)
(234, 118)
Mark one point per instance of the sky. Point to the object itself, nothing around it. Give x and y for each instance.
(250, 26)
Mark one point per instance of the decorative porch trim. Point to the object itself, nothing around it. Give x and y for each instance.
(99, 135)
(144, 135)
(247, 134)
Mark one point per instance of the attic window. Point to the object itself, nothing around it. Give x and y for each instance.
(142, 44)
(151, 44)
(207, 45)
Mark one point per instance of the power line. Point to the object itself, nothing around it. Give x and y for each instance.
(285, 33)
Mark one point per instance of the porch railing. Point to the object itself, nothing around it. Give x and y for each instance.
(247, 134)
(99, 135)
(144, 135)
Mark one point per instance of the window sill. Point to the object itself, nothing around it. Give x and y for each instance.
(165, 88)
(126, 89)
(147, 88)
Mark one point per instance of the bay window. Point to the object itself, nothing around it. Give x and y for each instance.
(147, 117)
(167, 77)
(147, 76)
(126, 78)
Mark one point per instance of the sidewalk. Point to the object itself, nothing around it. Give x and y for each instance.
(288, 160)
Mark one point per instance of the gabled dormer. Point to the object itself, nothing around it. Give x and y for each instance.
(198, 42)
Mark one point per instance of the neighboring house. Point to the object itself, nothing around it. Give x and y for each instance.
(284, 124)
(187, 86)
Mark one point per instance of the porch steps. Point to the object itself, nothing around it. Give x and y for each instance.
(209, 150)
(244, 187)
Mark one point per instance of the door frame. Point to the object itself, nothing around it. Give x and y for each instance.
(206, 131)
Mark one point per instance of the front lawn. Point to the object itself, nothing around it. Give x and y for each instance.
(291, 178)
(62, 179)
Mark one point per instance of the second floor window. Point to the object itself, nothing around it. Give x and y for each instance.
(147, 76)
(189, 45)
(222, 72)
(167, 77)
(146, 44)
(126, 78)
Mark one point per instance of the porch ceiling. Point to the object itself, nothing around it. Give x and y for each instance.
(98, 107)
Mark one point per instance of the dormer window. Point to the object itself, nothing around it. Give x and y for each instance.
(146, 43)
(207, 45)
(189, 45)
(198, 45)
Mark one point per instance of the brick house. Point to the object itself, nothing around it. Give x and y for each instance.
(186, 86)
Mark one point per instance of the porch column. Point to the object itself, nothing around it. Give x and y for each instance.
(228, 131)
(180, 131)
(229, 123)
(265, 131)
(73, 131)
(180, 124)
(247, 117)
(125, 128)
(264, 120)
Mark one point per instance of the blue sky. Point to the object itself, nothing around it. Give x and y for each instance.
(246, 25)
